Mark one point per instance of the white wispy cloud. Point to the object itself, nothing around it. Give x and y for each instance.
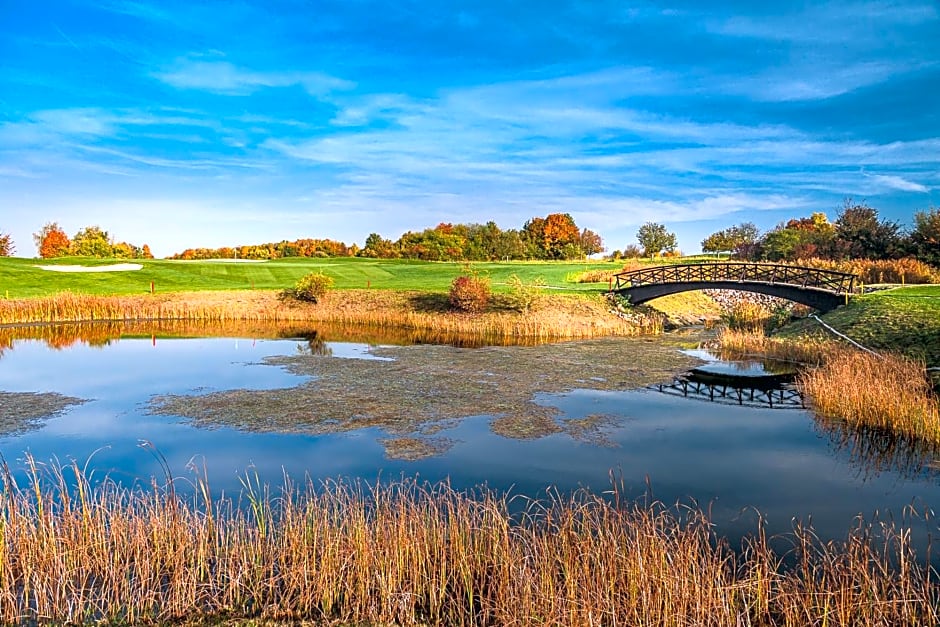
(226, 78)
(898, 182)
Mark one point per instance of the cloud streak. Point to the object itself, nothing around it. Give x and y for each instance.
(222, 77)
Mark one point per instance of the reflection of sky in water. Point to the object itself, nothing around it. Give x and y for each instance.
(727, 458)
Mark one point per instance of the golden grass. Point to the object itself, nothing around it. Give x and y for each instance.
(410, 554)
(887, 391)
(736, 343)
(551, 317)
(883, 391)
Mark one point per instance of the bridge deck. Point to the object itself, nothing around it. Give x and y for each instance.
(765, 273)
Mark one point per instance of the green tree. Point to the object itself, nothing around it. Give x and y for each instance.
(925, 238)
(91, 242)
(655, 239)
(859, 234)
(378, 247)
(733, 239)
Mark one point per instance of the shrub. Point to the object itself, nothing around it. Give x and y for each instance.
(310, 287)
(470, 293)
(523, 295)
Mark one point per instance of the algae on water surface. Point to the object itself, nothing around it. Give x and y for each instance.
(21, 411)
(419, 390)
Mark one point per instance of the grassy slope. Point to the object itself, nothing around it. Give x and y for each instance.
(906, 319)
(20, 277)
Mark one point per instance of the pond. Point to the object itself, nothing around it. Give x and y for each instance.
(515, 418)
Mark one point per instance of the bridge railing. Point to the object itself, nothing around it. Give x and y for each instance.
(770, 273)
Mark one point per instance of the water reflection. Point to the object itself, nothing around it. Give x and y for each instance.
(514, 418)
(873, 451)
(692, 387)
(61, 336)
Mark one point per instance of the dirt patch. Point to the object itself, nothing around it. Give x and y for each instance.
(425, 389)
(22, 411)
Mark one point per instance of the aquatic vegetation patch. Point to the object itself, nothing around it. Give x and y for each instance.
(426, 388)
(21, 411)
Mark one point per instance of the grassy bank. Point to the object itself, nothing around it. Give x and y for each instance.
(905, 320)
(407, 554)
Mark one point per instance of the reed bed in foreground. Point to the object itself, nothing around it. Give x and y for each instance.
(552, 317)
(74, 551)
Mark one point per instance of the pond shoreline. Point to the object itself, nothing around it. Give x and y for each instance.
(551, 316)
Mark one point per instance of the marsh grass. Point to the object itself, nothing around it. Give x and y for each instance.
(550, 317)
(887, 391)
(881, 391)
(82, 549)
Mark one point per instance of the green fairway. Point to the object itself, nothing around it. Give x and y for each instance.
(21, 277)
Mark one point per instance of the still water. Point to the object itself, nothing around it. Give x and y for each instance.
(276, 406)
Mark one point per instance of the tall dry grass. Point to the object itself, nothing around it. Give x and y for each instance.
(74, 551)
(907, 270)
(888, 391)
(882, 391)
(551, 317)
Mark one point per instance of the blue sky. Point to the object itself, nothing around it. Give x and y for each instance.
(184, 124)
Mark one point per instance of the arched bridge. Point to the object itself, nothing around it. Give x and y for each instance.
(820, 289)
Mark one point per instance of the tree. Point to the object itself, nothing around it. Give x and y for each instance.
(556, 236)
(6, 245)
(734, 239)
(51, 241)
(91, 242)
(925, 238)
(591, 243)
(379, 247)
(859, 234)
(654, 238)
(799, 238)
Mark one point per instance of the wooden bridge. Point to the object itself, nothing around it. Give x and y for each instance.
(821, 289)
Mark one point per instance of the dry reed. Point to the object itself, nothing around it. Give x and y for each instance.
(76, 552)
(552, 317)
(882, 391)
(888, 391)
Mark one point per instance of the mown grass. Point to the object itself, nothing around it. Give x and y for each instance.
(21, 278)
(77, 551)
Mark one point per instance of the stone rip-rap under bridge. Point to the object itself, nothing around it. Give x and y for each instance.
(820, 289)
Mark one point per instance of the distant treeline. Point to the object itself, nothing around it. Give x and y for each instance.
(555, 236)
(91, 241)
(857, 233)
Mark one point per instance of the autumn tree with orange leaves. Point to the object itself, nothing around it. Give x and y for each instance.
(51, 241)
(556, 236)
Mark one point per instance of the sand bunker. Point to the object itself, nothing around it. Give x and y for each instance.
(115, 267)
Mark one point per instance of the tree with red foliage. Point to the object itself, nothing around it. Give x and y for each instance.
(51, 241)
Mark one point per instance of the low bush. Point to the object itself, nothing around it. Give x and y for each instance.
(522, 295)
(470, 293)
(310, 287)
